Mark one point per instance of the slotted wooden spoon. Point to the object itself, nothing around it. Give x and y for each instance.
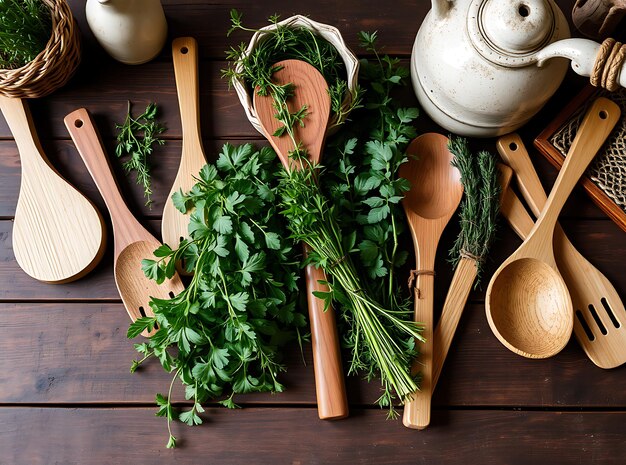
(435, 194)
(310, 90)
(600, 323)
(58, 234)
(185, 56)
(528, 305)
(132, 242)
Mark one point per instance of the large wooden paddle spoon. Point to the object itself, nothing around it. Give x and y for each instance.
(132, 242)
(185, 57)
(528, 305)
(58, 235)
(311, 90)
(435, 194)
(600, 323)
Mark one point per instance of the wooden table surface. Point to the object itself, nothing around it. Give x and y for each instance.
(66, 394)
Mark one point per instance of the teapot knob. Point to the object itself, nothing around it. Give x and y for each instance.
(517, 26)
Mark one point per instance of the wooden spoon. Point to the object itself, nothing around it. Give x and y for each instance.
(435, 194)
(58, 235)
(460, 287)
(310, 90)
(600, 326)
(185, 57)
(528, 305)
(132, 242)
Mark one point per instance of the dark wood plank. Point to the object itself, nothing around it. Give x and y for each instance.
(164, 161)
(78, 353)
(277, 436)
(601, 241)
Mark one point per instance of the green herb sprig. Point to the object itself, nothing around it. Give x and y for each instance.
(25, 28)
(283, 43)
(481, 203)
(136, 139)
(239, 309)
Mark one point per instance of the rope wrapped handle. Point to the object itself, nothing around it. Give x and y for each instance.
(609, 61)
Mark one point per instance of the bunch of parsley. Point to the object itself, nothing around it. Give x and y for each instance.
(222, 335)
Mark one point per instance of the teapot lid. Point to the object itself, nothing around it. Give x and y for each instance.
(510, 32)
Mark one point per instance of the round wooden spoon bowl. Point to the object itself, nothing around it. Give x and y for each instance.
(537, 328)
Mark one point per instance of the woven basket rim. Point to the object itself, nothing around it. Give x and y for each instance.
(53, 65)
(350, 60)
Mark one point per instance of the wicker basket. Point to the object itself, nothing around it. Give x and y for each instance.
(332, 35)
(56, 63)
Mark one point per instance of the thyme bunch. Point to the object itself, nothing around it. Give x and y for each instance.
(481, 203)
(136, 140)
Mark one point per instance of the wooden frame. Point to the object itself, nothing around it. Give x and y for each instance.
(543, 144)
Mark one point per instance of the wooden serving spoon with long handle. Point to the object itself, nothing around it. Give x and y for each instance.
(460, 287)
(435, 194)
(185, 56)
(132, 241)
(58, 234)
(593, 296)
(528, 304)
(310, 90)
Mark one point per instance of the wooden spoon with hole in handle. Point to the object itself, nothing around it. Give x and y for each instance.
(185, 57)
(528, 305)
(311, 90)
(58, 234)
(595, 300)
(460, 287)
(132, 242)
(435, 194)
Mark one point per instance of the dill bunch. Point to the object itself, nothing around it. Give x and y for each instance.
(480, 206)
(284, 43)
(25, 28)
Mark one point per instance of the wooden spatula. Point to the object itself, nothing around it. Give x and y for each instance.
(185, 57)
(58, 235)
(132, 242)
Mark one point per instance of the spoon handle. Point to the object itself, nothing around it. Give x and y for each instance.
(417, 410)
(332, 402)
(126, 229)
(185, 59)
(598, 123)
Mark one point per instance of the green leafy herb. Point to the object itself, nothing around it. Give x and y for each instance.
(25, 28)
(381, 336)
(284, 43)
(362, 174)
(481, 203)
(228, 325)
(136, 140)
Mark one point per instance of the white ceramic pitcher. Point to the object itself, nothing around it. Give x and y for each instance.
(131, 31)
(485, 67)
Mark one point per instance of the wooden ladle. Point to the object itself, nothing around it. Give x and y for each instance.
(58, 235)
(132, 242)
(185, 56)
(528, 305)
(435, 194)
(310, 90)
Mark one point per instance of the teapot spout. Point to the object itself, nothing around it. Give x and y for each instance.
(440, 8)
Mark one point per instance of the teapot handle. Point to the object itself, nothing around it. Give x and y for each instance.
(440, 8)
(590, 58)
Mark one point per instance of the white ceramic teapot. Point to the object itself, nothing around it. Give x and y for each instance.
(484, 67)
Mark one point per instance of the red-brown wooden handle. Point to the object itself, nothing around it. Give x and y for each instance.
(332, 402)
